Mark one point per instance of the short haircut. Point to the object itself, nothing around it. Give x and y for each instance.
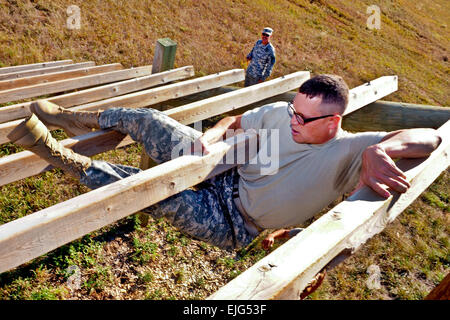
(332, 88)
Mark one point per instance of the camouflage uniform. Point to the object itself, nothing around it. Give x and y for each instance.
(261, 64)
(208, 212)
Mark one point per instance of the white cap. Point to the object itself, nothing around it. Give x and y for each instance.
(267, 30)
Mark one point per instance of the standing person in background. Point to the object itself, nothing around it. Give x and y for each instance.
(262, 59)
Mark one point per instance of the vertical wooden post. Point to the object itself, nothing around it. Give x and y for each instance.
(163, 60)
(164, 57)
(442, 291)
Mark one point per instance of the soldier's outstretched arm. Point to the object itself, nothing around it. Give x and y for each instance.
(217, 132)
(378, 167)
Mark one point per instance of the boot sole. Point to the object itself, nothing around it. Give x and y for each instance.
(38, 108)
(28, 132)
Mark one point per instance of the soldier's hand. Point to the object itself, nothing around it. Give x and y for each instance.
(199, 147)
(268, 242)
(379, 172)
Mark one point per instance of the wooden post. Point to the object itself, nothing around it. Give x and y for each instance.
(390, 116)
(164, 57)
(442, 291)
(163, 60)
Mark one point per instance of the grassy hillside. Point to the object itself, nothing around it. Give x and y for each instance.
(126, 261)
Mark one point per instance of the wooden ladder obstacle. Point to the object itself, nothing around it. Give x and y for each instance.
(280, 275)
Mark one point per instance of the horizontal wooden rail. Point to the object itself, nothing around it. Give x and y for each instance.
(370, 118)
(370, 92)
(145, 98)
(71, 84)
(24, 164)
(226, 102)
(115, 89)
(57, 76)
(358, 97)
(30, 73)
(34, 66)
(38, 233)
(150, 96)
(285, 272)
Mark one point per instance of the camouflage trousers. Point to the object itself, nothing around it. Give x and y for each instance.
(207, 212)
(250, 80)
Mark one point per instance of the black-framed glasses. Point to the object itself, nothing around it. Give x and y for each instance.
(300, 118)
(265, 35)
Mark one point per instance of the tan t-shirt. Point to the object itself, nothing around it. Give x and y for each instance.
(287, 182)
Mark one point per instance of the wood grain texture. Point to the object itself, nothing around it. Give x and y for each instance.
(164, 57)
(57, 76)
(30, 73)
(34, 66)
(371, 91)
(442, 291)
(71, 84)
(22, 110)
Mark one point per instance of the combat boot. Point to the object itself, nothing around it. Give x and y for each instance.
(74, 123)
(33, 135)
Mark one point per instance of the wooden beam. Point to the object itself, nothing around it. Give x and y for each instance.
(390, 116)
(442, 291)
(358, 96)
(163, 59)
(34, 66)
(30, 73)
(285, 272)
(12, 166)
(210, 107)
(69, 100)
(38, 233)
(71, 84)
(370, 92)
(24, 164)
(56, 76)
(147, 97)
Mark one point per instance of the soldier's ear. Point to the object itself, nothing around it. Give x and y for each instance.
(334, 121)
